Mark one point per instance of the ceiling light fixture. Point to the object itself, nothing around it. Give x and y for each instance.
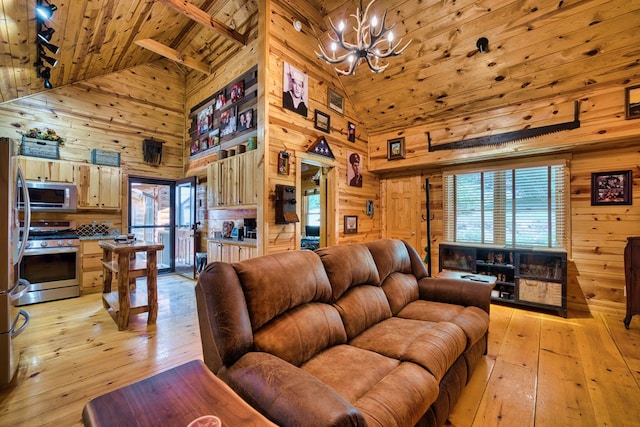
(45, 35)
(483, 45)
(51, 47)
(45, 73)
(44, 13)
(373, 43)
(52, 61)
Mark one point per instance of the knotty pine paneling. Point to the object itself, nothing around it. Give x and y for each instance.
(292, 132)
(113, 112)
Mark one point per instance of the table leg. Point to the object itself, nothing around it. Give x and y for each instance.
(123, 292)
(152, 286)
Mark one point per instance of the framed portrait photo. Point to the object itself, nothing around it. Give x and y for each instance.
(395, 149)
(245, 120)
(322, 121)
(632, 102)
(335, 101)
(611, 188)
(237, 91)
(350, 224)
(228, 121)
(295, 95)
(351, 132)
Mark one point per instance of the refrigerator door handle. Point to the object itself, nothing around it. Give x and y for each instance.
(19, 290)
(27, 318)
(27, 213)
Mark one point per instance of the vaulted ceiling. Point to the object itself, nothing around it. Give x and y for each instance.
(538, 49)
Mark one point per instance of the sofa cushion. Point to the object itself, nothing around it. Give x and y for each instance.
(276, 283)
(400, 289)
(361, 307)
(392, 255)
(386, 391)
(472, 320)
(434, 346)
(348, 265)
(301, 332)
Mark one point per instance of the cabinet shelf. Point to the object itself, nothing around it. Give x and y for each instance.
(525, 277)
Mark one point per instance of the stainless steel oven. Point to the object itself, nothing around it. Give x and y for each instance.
(51, 262)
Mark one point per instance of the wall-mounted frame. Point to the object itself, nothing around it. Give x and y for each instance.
(335, 101)
(632, 102)
(395, 148)
(245, 120)
(611, 188)
(351, 132)
(350, 224)
(322, 121)
(283, 163)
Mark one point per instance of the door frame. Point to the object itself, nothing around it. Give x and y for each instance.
(331, 233)
(194, 183)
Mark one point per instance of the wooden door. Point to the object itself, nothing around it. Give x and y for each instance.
(110, 183)
(214, 252)
(61, 171)
(88, 186)
(402, 209)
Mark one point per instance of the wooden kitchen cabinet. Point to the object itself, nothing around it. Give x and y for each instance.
(91, 267)
(99, 187)
(232, 181)
(229, 252)
(36, 169)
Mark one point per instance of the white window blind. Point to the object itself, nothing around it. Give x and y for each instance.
(515, 207)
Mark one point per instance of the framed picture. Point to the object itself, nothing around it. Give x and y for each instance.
(205, 120)
(221, 100)
(237, 91)
(611, 188)
(283, 163)
(351, 132)
(350, 224)
(294, 90)
(322, 121)
(245, 120)
(354, 171)
(335, 101)
(228, 121)
(395, 148)
(632, 102)
(214, 138)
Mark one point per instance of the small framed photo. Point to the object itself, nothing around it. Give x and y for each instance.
(632, 102)
(322, 121)
(228, 121)
(350, 224)
(214, 138)
(351, 132)
(283, 163)
(237, 91)
(245, 120)
(205, 120)
(611, 188)
(335, 101)
(221, 100)
(395, 148)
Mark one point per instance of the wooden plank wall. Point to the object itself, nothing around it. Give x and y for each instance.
(113, 112)
(604, 142)
(292, 132)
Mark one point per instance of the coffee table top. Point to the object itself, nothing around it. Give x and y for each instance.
(172, 398)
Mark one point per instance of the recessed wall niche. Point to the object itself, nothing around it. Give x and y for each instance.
(227, 118)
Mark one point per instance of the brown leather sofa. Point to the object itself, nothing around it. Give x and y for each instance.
(348, 335)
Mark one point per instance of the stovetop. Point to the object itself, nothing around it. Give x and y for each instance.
(48, 234)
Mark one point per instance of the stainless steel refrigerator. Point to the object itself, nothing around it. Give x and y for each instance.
(13, 320)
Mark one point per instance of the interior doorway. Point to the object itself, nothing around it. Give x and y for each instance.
(185, 227)
(317, 205)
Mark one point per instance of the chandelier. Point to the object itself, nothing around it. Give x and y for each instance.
(374, 42)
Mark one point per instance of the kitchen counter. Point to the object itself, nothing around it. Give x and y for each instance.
(245, 242)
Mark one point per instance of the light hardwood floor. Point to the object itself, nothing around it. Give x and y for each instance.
(541, 370)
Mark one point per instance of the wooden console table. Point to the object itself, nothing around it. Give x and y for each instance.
(123, 302)
(173, 398)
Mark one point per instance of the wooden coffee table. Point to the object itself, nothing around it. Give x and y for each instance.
(172, 398)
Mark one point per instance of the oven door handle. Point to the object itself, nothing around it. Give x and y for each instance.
(19, 290)
(49, 251)
(27, 318)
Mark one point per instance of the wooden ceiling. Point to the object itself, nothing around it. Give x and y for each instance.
(538, 49)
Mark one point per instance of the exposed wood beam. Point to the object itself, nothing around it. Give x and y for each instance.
(203, 18)
(172, 54)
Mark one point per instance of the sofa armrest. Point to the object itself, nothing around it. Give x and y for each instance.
(455, 291)
(288, 395)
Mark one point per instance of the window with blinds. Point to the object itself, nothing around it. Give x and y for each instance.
(514, 207)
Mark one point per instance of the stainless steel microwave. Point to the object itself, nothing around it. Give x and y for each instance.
(52, 196)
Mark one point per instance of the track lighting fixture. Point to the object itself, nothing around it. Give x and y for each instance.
(52, 61)
(45, 35)
(44, 13)
(45, 73)
(51, 47)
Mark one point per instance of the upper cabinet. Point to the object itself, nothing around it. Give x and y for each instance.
(232, 181)
(37, 169)
(99, 187)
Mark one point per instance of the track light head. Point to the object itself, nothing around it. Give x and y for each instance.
(44, 13)
(45, 73)
(52, 61)
(51, 47)
(45, 35)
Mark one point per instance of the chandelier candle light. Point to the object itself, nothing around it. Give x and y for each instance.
(374, 42)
